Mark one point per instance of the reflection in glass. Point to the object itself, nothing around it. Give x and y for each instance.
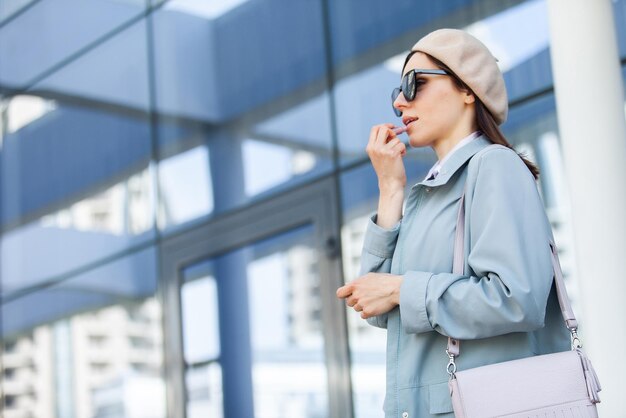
(26, 54)
(201, 343)
(100, 76)
(185, 187)
(123, 209)
(22, 110)
(204, 391)
(285, 327)
(77, 184)
(206, 9)
(288, 147)
(89, 365)
(268, 165)
(10, 7)
(267, 129)
(88, 346)
(367, 343)
(201, 340)
(85, 231)
(279, 330)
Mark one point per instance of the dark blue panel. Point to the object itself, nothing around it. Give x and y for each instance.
(67, 153)
(129, 278)
(359, 25)
(533, 75)
(49, 32)
(266, 49)
(527, 113)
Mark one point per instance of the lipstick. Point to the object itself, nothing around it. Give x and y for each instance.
(399, 130)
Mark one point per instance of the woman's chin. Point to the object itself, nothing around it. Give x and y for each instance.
(418, 142)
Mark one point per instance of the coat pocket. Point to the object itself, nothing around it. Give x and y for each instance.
(439, 398)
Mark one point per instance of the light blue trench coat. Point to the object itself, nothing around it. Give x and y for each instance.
(503, 308)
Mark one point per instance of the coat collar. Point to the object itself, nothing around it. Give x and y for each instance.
(456, 161)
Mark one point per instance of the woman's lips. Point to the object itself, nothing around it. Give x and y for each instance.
(408, 121)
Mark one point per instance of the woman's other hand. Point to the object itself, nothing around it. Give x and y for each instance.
(372, 294)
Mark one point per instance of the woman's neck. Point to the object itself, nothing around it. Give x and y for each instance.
(444, 146)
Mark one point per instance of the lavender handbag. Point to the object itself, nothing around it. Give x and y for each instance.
(551, 385)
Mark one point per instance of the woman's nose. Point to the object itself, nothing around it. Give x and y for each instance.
(400, 102)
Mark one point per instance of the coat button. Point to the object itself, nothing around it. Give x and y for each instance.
(405, 414)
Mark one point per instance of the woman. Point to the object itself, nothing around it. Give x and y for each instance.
(503, 307)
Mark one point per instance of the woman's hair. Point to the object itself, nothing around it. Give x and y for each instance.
(484, 119)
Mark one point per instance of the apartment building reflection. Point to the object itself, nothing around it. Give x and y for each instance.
(95, 364)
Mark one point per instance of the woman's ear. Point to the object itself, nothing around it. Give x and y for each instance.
(468, 97)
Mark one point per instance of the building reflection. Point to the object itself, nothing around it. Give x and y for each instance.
(104, 363)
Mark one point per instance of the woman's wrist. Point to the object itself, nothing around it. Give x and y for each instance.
(391, 188)
(390, 207)
(395, 292)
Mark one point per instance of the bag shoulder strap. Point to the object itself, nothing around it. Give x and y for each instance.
(458, 267)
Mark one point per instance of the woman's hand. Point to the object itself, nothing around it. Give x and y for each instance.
(372, 294)
(386, 151)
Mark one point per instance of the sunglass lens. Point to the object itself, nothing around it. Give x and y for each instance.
(408, 86)
(394, 95)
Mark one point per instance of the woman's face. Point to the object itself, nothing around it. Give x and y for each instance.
(439, 112)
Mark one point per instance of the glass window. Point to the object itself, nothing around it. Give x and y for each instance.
(27, 54)
(77, 184)
(185, 187)
(204, 391)
(258, 112)
(101, 79)
(257, 350)
(9, 8)
(73, 345)
(201, 345)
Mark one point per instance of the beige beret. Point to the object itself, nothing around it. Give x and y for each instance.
(472, 62)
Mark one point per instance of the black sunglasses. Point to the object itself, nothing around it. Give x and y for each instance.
(409, 87)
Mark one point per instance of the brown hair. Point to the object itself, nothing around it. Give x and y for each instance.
(484, 119)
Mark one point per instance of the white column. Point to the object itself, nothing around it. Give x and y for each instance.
(590, 109)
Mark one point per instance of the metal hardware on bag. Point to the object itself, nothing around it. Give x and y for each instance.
(575, 340)
(451, 367)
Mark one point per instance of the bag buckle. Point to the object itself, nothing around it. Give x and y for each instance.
(575, 340)
(451, 367)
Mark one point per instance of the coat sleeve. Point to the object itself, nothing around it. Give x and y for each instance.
(378, 247)
(509, 256)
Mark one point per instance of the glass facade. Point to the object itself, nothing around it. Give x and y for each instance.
(184, 184)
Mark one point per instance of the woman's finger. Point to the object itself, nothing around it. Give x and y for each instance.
(399, 147)
(380, 132)
(384, 134)
(393, 142)
(344, 291)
